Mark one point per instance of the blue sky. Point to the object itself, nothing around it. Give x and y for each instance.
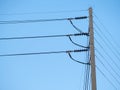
(57, 71)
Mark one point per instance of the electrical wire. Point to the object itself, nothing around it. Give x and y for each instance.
(76, 28)
(76, 43)
(77, 60)
(86, 77)
(107, 69)
(87, 69)
(38, 53)
(50, 36)
(40, 20)
(108, 62)
(106, 78)
(110, 67)
(108, 54)
(87, 81)
(116, 52)
(106, 29)
(87, 74)
(47, 12)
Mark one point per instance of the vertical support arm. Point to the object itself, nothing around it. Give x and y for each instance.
(92, 52)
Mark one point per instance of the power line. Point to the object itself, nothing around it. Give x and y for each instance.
(106, 77)
(86, 78)
(77, 60)
(76, 28)
(116, 52)
(38, 53)
(40, 20)
(111, 68)
(105, 29)
(47, 12)
(106, 52)
(107, 70)
(49, 36)
(86, 85)
(76, 43)
(108, 62)
(87, 70)
(107, 55)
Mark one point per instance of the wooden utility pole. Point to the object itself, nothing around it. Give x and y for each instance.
(92, 52)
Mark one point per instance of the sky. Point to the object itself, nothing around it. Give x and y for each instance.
(58, 71)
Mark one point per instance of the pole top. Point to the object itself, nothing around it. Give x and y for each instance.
(90, 8)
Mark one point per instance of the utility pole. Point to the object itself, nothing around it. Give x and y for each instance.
(92, 52)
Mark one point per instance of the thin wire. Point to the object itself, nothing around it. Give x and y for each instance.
(76, 28)
(89, 79)
(103, 65)
(77, 60)
(106, 77)
(48, 12)
(108, 54)
(76, 43)
(108, 62)
(86, 78)
(40, 20)
(105, 28)
(88, 67)
(87, 70)
(116, 52)
(107, 69)
(38, 53)
(50, 36)
(88, 58)
(109, 65)
(88, 74)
